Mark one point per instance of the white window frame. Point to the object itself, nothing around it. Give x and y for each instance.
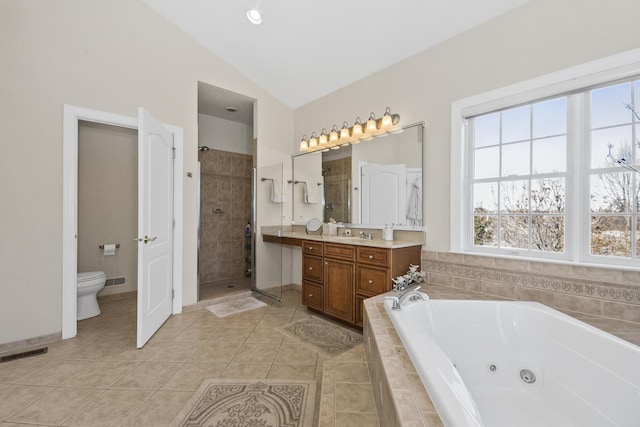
(615, 67)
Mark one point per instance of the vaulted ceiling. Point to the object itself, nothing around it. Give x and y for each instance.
(305, 49)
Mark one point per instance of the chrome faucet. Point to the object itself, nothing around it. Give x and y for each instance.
(368, 236)
(410, 295)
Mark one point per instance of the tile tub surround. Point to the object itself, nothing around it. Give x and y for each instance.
(400, 397)
(598, 291)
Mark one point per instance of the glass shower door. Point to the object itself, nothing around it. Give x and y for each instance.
(269, 203)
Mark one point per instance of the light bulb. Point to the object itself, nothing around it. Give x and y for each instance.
(313, 141)
(333, 135)
(344, 133)
(386, 119)
(356, 130)
(371, 124)
(304, 145)
(323, 137)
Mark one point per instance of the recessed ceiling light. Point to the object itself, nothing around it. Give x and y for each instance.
(231, 109)
(254, 16)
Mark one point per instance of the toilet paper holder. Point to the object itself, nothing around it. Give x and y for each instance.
(117, 246)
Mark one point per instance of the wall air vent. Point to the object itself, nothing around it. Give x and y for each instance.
(24, 354)
(115, 281)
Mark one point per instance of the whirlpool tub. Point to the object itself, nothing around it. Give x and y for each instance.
(508, 364)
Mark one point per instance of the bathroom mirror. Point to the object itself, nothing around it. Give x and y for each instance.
(368, 184)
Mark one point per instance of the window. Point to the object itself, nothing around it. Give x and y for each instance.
(613, 171)
(558, 177)
(519, 177)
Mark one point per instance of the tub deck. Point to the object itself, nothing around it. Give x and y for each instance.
(401, 399)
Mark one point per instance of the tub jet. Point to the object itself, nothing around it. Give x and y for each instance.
(527, 376)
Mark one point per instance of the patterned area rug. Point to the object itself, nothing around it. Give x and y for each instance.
(250, 403)
(239, 305)
(321, 336)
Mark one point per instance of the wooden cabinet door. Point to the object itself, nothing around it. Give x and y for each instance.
(339, 292)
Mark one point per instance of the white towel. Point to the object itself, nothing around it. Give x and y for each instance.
(414, 207)
(310, 193)
(276, 192)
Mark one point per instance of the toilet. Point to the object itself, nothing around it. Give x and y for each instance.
(89, 284)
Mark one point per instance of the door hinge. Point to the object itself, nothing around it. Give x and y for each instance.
(173, 293)
(174, 152)
(174, 224)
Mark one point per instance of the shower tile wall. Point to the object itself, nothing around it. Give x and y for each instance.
(225, 184)
(336, 191)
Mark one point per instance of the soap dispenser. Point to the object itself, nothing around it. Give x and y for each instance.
(387, 232)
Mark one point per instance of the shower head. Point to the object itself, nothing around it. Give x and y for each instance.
(203, 148)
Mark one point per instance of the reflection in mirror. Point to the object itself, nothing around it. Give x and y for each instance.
(372, 183)
(336, 170)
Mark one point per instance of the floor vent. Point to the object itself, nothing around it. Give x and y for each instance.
(115, 281)
(24, 354)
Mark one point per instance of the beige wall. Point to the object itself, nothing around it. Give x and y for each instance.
(225, 135)
(108, 202)
(111, 56)
(538, 38)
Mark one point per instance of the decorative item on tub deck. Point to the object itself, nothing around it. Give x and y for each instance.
(400, 283)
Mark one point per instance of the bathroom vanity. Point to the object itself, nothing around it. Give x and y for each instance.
(339, 273)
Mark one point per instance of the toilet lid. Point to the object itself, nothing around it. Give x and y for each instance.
(89, 275)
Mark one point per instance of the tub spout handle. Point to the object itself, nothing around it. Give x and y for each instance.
(396, 303)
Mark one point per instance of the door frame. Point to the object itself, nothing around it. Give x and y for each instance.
(71, 116)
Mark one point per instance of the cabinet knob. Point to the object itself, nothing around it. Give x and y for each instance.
(326, 263)
(310, 268)
(370, 281)
(310, 248)
(310, 295)
(370, 256)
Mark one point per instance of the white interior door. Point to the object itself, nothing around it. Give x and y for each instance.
(155, 225)
(379, 185)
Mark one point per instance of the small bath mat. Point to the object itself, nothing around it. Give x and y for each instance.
(321, 336)
(220, 402)
(227, 308)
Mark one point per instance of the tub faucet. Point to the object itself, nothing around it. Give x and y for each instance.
(410, 294)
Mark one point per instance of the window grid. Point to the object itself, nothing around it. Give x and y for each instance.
(576, 210)
(503, 216)
(627, 177)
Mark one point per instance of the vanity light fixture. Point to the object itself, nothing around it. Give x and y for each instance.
(372, 126)
(356, 131)
(344, 133)
(304, 144)
(386, 120)
(333, 136)
(323, 139)
(254, 17)
(313, 141)
(352, 135)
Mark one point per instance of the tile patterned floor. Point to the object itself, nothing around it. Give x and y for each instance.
(99, 378)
